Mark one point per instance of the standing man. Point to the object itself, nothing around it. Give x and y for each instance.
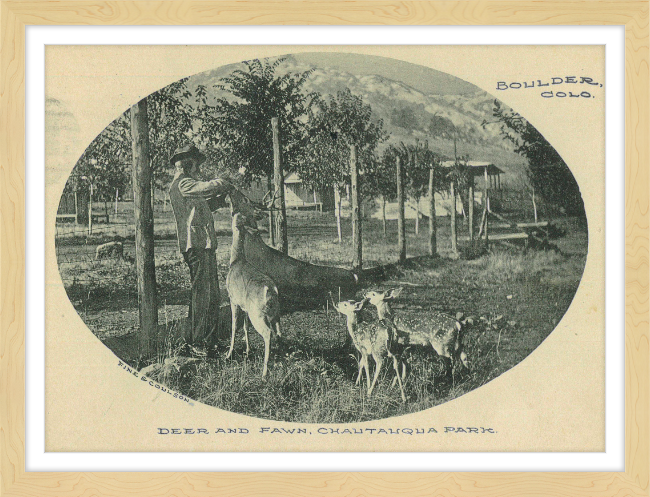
(197, 241)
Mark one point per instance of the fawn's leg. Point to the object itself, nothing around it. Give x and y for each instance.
(399, 379)
(378, 362)
(361, 365)
(366, 366)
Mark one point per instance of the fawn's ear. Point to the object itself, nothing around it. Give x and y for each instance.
(360, 305)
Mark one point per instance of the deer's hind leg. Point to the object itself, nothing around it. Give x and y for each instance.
(262, 326)
(248, 349)
(237, 315)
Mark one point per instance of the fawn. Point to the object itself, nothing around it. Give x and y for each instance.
(251, 293)
(442, 332)
(370, 339)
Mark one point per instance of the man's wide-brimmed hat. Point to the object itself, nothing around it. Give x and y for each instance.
(186, 152)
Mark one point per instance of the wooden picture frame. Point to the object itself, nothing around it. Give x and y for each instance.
(15, 15)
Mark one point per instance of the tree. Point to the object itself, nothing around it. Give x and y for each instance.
(103, 169)
(107, 160)
(416, 175)
(237, 127)
(380, 180)
(170, 116)
(336, 123)
(548, 173)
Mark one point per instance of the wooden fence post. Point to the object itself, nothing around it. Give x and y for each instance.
(454, 239)
(90, 208)
(144, 239)
(471, 207)
(337, 211)
(357, 250)
(278, 180)
(433, 249)
(401, 227)
(487, 207)
(269, 184)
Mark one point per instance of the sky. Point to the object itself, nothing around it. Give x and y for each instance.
(424, 79)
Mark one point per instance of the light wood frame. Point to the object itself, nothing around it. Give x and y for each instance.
(15, 15)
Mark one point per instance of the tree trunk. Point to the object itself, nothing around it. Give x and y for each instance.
(454, 239)
(534, 206)
(433, 249)
(383, 212)
(76, 206)
(357, 249)
(401, 227)
(417, 215)
(144, 237)
(278, 180)
(337, 211)
(117, 191)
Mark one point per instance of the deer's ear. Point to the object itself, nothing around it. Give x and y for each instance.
(394, 293)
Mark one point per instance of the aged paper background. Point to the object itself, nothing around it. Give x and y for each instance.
(554, 400)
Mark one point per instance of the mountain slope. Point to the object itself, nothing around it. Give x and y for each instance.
(409, 114)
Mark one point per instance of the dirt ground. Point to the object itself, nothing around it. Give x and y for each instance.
(515, 299)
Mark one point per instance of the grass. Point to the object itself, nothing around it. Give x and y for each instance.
(515, 298)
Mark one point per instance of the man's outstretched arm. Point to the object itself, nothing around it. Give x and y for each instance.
(190, 187)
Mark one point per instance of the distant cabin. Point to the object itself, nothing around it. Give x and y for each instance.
(296, 194)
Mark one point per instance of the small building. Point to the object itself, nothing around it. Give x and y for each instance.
(296, 194)
(488, 171)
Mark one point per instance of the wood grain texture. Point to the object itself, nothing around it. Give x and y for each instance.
(14, 481)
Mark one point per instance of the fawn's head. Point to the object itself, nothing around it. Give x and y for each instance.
(350, 308)
(380, 299)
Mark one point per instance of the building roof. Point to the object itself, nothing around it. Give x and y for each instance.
(477, 167)
(292, 177)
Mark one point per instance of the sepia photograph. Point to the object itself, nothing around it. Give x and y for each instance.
(321, 237)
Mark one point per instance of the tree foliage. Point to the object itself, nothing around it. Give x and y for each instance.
(171, 116)
(237, 128)
(336, 123)
(105, 163)
(417, 162)
(107, 160)
(549, 175)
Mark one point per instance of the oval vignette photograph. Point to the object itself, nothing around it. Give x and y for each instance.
(321, 237)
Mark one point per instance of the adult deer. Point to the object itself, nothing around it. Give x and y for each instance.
(251, 293)
(370, 339)
(442, 332)
(295, 278)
